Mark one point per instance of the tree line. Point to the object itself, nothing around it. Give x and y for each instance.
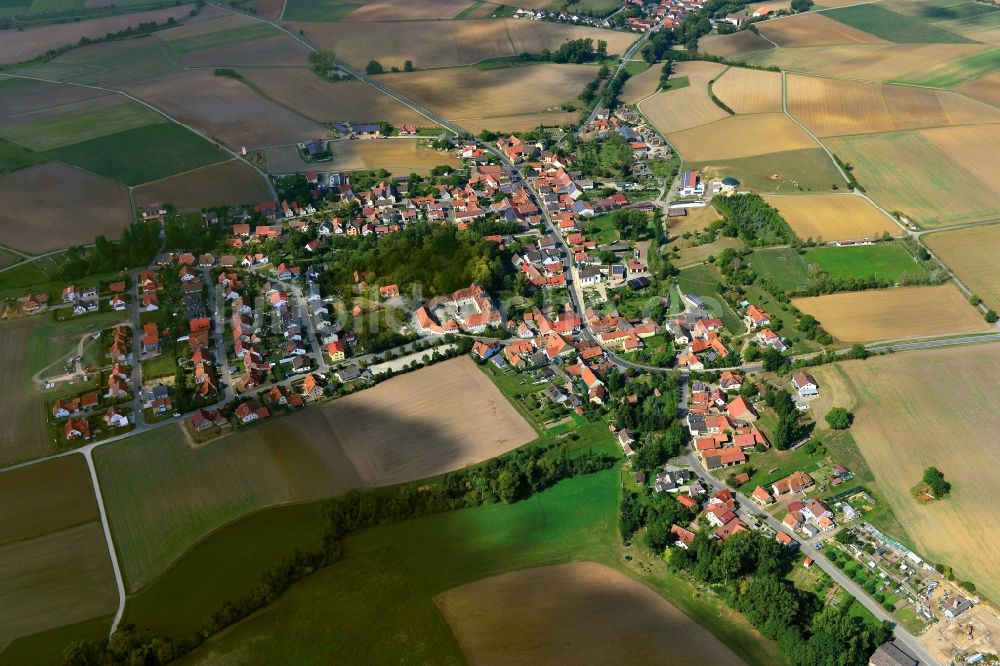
(750, 218)
(512, 477)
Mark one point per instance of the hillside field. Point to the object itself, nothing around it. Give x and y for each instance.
(831, 217)
(40, 207)
(322, 101)
(890, 314)
(399, 156)
(804, 170)
(470, 96)
(453, 42)
(520, 617)
(688, 107)
(231, 183)
(893, 169)
(917, 410)
(225, 109)
(740, 136)
(386, 583)
(813, 29)
(749, 90)
(52, 550)
(830, 107)
(140, 155)
(971, 254)
(937, 65)
(401, 430)
(17, 46)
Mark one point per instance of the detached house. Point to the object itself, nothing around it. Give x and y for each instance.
(805, 384)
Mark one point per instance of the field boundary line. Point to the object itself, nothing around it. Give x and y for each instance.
(182, 173)
(215, 142)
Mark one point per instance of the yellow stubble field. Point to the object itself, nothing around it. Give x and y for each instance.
(684, 108)
(922, 409)
(832, 217)
(831, 107)
(892, 314)
(741, 136)
(749, 90)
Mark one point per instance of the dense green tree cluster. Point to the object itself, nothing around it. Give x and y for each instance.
(648, 412)
(631, 224)
(654, 511)
(788, 429)
(748, 570)
(934, 478)
(751, 219)
(577, 51)
(138, 246)
(438, 258)
(839, 418)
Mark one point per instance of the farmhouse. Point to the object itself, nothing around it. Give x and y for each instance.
(805, 384)
(755, 317)
(691, 184)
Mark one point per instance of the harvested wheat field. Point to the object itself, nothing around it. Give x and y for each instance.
(323, 101)
(399, 156)
(470, 94)
(893, 168)
(454, 43)
(574, 613)
(735, 43)
(231, 183)
(974, 148)
(972, 254)
(225, 109)
(986, 88)
(891, 314)
(935, 65)
(741, 136)
(424, 423)
(832, 217)
(749, 90)
(52, 205)
(642, 85)
(397, 10)
(813, 29)
(17, 46)
(695, 220)
(923, 409)
(523, 122)
(684, 108)
(830, 107)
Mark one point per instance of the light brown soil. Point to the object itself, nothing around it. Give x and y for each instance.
(424, 423)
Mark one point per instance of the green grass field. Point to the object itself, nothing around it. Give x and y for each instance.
(386, 583)
(47, 647)
(946, 75)
(13, 157)
(952, 12)
(143, 154)
(213, 40)
(634, 67)
(109, 64)
(703, 281)
(805, 170)
(163, 496)
(71, 129)
(677, 82)
(784, 266)
(311, 10)
(894, 27)
(885, 261)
